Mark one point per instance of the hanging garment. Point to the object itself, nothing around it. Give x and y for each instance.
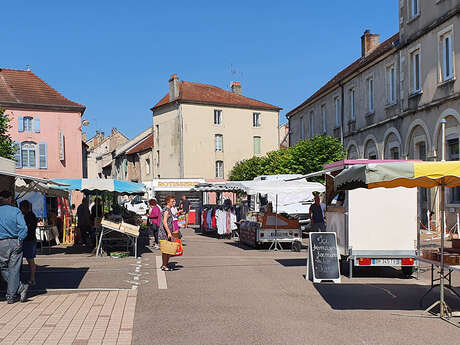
(209, 218)
(213, 219)
(220, 221)
(233, 220)
(228, 224)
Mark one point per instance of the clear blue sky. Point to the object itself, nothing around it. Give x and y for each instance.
(115, 57)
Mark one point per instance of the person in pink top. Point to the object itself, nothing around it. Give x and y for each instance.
(154, 220)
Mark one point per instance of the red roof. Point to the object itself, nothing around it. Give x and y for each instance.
(355, 66)
(145, 144)
(208, 94)
(23, 88)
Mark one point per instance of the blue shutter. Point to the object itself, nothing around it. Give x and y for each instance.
(20, 124)
(17, 154)
(37, 124)
(42, 156)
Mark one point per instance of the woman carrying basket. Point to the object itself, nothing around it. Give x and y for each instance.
(166, 229)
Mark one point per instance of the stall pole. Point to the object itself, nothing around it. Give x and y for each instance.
(458, 223)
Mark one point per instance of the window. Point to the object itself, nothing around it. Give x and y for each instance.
(219, 142)
(28, 155)
(158, 158)
(312, 124)
(28, 124)
(370, 95)
(255, 119)
(446, 56)
(217, 117)
(158, 132)
(302, 129)
(61, 146)
(352, 104)
(453, 154)
(421, 151)
(147, 166)
(42, 156)
(415, 75)
(219, 169)
(323, 117)
(391, 82)
(414, 8)
(337, 112)
(256, 142)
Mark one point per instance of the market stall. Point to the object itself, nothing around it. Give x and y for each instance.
(410, 175)
(120, 224)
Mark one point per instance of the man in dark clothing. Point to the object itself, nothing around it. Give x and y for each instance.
(185, 203)
(317, 215)
(13, 230)
(84, 221)
(29, 246)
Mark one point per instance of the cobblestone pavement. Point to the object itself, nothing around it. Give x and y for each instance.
(99, 317)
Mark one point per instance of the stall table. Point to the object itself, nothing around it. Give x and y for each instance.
(130, 231)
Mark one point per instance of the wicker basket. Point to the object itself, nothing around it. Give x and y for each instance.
(168, 247)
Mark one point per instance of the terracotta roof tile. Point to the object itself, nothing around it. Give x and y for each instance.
(359, 63)
(209, 94)
(25, 88)
(145, 144)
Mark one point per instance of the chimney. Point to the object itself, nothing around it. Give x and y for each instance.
(369, 42)
(173, 87)
(102, 135)
(236, 87)
(114, 130)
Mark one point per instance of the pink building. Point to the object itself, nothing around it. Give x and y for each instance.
(45, 126)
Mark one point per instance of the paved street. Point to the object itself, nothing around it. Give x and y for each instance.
(220, 294)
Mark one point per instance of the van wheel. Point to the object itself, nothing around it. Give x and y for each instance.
(407, 271)
(296, 246)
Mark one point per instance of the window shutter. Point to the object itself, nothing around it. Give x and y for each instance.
(17, 154)
(20, 124)
(42, 156)
(37, 125)
(61, 146)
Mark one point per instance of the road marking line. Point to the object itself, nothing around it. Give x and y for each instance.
(161, 275)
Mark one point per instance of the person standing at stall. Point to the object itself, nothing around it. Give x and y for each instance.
(185, 207)
(317, 215)
(13, 230)
(154, 220)
(84, 221)
(29, 246)
(166, 229)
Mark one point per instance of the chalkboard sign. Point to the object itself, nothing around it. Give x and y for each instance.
(323, 260)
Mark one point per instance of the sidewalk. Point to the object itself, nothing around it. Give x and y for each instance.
(99, 317)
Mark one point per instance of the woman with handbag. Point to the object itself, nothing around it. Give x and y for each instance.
(166, 229)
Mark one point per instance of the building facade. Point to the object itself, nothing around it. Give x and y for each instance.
(390, 102)
(45, 126)
(203, 131)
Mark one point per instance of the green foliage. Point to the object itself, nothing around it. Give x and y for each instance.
(306, 157)
(7, 148)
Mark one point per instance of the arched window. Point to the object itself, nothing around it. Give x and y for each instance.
(28, 153)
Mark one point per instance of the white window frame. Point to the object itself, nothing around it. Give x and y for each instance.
(446, 74)
(219, 169)
(323, 117)
(391, 84)
(414, 73)
(218, 118)
(219, 143)
(370, 94)
(414, 8)
(25, 148)
(312, 123)
(29, 120)
(256, 120)
(337, 111)
(352, 104)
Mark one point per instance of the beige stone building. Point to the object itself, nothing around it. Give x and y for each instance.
(202, 131)
(99, 151)
(389, 103)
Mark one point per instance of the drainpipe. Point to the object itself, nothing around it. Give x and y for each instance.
(443, 140)
(342, 115)
(181, 141)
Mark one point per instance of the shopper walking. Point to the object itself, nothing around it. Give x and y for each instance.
(29, 246)
(154, 220)
(166, 228)
(13, 230)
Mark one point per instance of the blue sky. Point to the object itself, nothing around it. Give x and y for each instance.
(115, 57)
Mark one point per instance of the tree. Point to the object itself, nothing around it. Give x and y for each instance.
(7, 148)
(306, 157)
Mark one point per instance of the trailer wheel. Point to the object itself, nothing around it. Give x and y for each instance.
(296, 246)
(407, 271)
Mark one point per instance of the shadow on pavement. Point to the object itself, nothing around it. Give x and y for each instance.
(380, 296)
(293, 262)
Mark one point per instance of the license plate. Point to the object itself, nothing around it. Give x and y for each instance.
(386, 262)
